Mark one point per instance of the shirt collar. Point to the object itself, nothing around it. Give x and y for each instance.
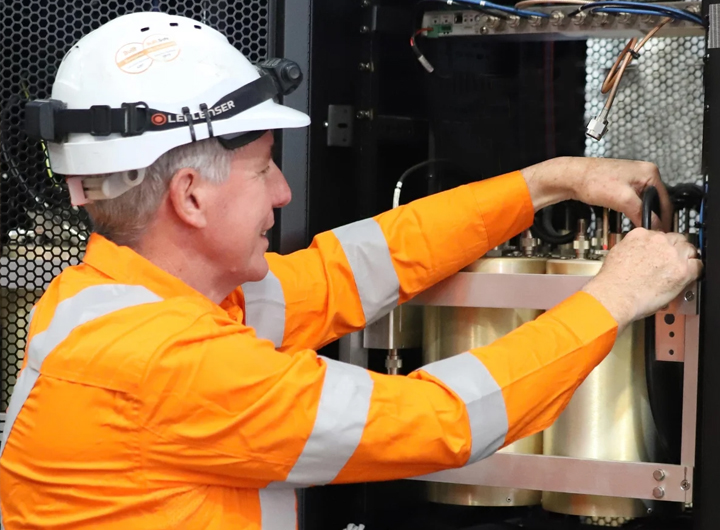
(127, 266)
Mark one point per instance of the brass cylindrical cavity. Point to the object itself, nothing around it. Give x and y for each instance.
(452, 330)
(608, 418)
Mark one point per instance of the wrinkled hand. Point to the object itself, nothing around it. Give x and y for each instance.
(643, 273)
(614, 184)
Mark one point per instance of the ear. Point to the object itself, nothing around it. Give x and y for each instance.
(189, 198)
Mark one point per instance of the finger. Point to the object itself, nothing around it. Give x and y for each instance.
(631, 206)
(677, 240)
(666, 206)
(688, 251)
(695, 267)
(657, 224)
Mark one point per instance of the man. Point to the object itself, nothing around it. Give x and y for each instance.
(158, 394)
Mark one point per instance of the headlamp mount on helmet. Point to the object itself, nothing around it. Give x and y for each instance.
(51, 121)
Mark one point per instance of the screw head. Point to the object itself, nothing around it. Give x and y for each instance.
(484, 30)
(685, 485)
(658, 492)
(689, 296)
(364, 29)
(659, 475)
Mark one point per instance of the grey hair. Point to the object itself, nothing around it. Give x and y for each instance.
(124, 219)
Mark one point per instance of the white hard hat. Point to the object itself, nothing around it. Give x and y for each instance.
(145, 83)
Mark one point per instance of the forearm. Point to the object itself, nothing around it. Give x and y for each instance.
(552, 181)
(461, 409)
(432, 238)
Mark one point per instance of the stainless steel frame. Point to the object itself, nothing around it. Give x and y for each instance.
(638, 480)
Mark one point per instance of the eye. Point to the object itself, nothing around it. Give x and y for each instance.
(265, 171)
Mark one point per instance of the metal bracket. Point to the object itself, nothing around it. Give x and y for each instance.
(631, 480)
(670, 326)
(340, 125)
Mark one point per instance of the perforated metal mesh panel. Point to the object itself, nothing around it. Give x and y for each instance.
(40, 233)
(658, 114)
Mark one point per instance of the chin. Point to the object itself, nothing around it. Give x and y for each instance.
(258, 271)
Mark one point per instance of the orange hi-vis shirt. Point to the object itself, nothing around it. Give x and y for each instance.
(144, 405)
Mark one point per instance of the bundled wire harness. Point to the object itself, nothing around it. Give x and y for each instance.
(598, 126)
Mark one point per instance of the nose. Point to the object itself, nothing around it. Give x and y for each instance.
(281, 190)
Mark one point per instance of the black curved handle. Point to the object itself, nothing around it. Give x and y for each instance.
(650, 204)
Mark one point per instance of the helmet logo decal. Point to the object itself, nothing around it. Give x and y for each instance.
(137, 57)
(196, 116)
(158, 119)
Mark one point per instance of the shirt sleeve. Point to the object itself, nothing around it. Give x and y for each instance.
(355, 274)
(219, 406)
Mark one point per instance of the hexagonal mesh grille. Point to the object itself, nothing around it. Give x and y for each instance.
(40, 233)
(658, 114)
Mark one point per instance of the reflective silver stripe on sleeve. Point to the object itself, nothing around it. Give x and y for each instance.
(278, 508)
(367, 252)
(91, 303)
(265, 308)
(339, 424)
(467, 376)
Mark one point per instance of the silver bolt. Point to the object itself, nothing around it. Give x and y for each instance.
(600, 19)
(364, 29)
(580, 18)
(514, 21)
(484, 30)
(649, 511)
(647, 19)
(659, 475)
(685, 485)
(493, 22)
(365, 3)
(557, 18)
(365, 67)
(625, 18)
(659, 492)
(363, 115)
(508, 499)
(535, 21)
(689, 296)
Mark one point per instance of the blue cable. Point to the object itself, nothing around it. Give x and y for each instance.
(669, 11)
(506, 9)
(618, 10)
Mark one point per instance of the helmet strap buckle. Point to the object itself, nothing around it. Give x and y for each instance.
(135, 118)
